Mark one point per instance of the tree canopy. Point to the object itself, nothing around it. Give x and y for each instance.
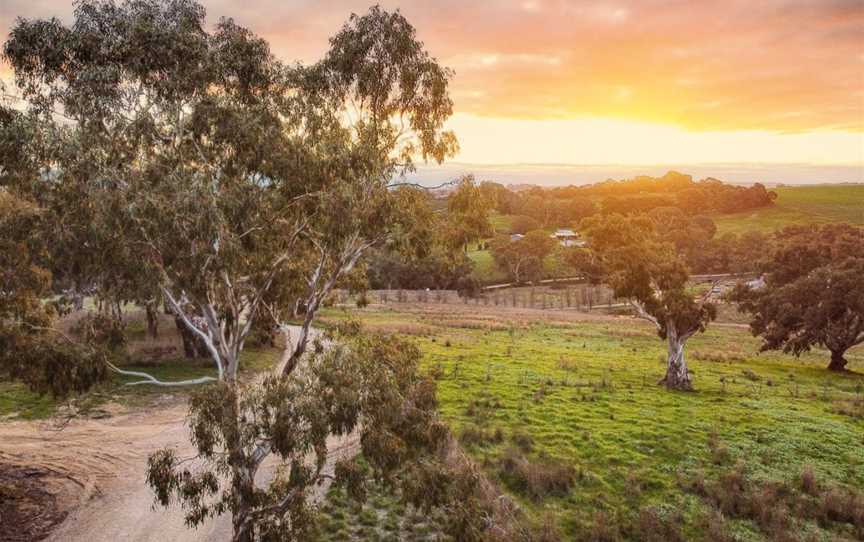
(192, 164)
(642, 265)
(522, 259)
(812, 294)
(467, 214)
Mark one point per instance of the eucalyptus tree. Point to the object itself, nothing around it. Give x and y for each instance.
(640, 265)
(468, 213)
(812, 294)
(523, 259)
(31, 349)
(238, 182)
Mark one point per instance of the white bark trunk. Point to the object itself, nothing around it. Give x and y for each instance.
(677, 375)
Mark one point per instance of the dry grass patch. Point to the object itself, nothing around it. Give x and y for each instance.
(535, 480)
(853, 407)
(780, 508)
(402, 328)
(630, 332)
(716, 356)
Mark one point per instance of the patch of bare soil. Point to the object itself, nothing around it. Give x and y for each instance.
(29, 506)
(94, 488)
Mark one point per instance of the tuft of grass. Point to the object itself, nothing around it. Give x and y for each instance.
(535, 479)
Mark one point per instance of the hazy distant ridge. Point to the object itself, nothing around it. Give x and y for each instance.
(562, 174)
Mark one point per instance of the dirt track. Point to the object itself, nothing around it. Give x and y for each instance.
(100, 473)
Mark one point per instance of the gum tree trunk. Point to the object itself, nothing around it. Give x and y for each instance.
(677, 375)
(240, 517)
(838, 362)
(152, 320)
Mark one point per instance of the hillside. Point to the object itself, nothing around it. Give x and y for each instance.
(800, 205)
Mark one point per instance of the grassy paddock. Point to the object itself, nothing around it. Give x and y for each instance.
(567, 417)
(800, 205)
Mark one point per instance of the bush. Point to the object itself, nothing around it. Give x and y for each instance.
(476, 436)
(653, 525)
(777, 507)
(523, 441)
(261, 336)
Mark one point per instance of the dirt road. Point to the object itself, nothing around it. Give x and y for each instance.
(100, 467)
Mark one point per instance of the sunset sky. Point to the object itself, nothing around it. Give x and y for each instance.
(626, 82)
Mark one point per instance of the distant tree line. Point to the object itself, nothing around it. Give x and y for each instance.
(564, 206)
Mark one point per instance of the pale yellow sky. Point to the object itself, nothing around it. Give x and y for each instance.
(495, 140)
(612, 81)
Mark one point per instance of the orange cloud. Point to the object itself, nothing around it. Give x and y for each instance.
(777, 65)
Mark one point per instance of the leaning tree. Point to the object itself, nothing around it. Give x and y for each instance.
(642, 266)
(239, 182)
(812, 293)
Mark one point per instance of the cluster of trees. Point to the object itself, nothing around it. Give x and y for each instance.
(809, 292)
(523, 260)
(643, 193)
(537, 207)
(154, 161)
(436, 259)
(694, 237)
(696, 240)
(565, 206)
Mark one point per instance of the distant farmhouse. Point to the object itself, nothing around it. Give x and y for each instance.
(568, 238)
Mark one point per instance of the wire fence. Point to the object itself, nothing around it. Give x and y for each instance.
(577, 297)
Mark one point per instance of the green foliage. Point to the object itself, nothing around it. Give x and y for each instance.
(523, 259)
(362, 383)
(423, 253)
(197, 168)
(633, 255)
(31, 351)
(523, 224)
(467, 214)
(812, 293)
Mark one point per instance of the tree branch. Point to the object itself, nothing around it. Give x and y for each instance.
(417, 185)
(642, 313)
(149, 379)
(207, 341)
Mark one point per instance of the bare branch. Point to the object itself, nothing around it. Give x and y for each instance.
(175, 306)
(642, 313)
(416, 185)
(149, 379)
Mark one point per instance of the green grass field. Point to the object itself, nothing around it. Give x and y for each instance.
(769, 447)
(17, 402)
(800, 205)
(583, 395)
